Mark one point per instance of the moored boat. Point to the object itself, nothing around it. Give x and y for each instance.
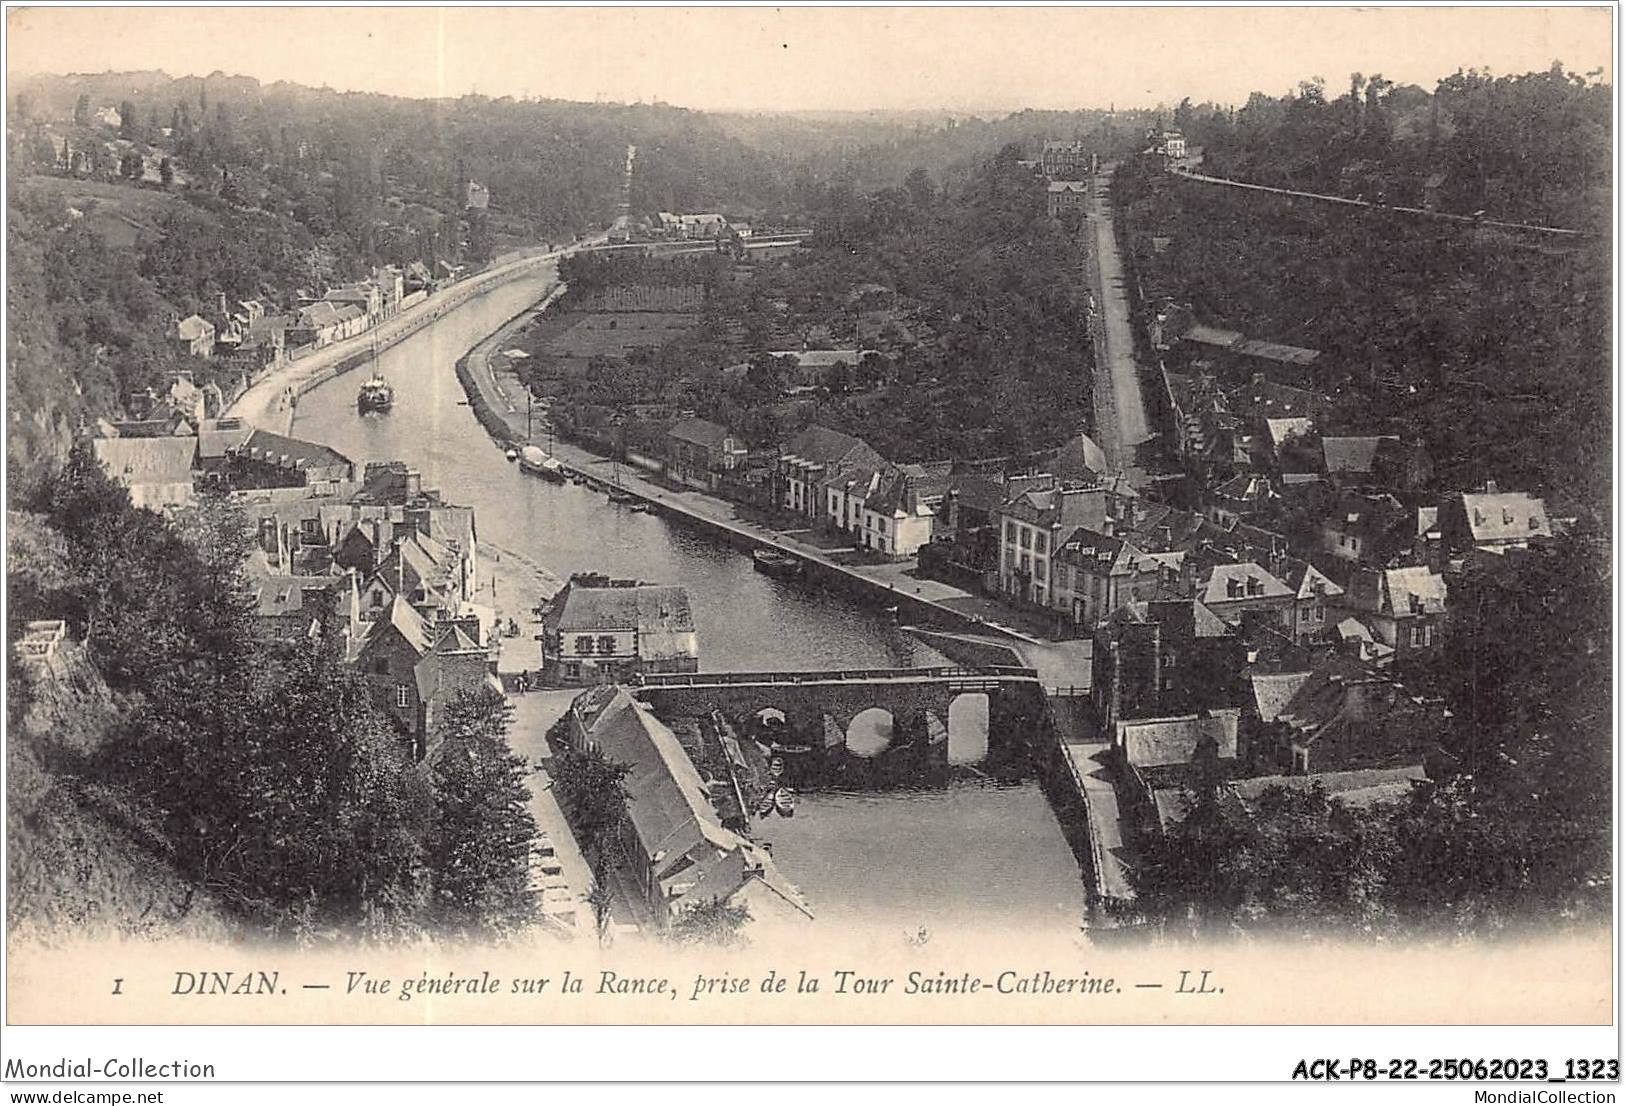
(536, 462)
(511, 454)
(775, 563)
(784, 801)
(621, 495)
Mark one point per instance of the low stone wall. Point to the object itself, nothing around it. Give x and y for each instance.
(495, 424)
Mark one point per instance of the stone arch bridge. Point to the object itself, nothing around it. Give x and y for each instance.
(1014, 694)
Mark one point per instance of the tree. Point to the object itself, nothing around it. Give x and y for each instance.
(594, 796)
(480, 843)
(714, 923)
(129, 125)
(131, 166)
(81, 110)
(166, 170)
(281, 789)
(149, 600)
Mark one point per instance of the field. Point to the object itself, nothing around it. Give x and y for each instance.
(642, 297)
(612, 334)
(120, 213)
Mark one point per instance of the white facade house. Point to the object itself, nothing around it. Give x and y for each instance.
(1032, 525)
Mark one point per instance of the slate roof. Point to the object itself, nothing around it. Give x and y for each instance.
(1160, 742)
(1355, 455)
(647, 607)
(1246, 486)
(1272, 691)
(819, 445)
(349, 293)
(318, 315)
(1216, 586)
(1079, 458)
(439, 677)
(1266, 398)
(1282, 429)
(666, 799)
(1095, 552)
(192, 328)
(700, 432)
(1276, 351)
(165, 460)
(1418, 583)
(284, 595)
(286, 452)
(1321, 699)
(1303, 577)
(1063, 507)
(1153, 520)
(1206, 624)
(412, 625)
(1356, 788)
(264, 331)
(1372, 518)
(979, 493)
(216, 441)
(896, 495)
(1505, 516)
(423, 560)
(1370, 649)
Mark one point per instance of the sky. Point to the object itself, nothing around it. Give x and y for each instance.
(851, 58)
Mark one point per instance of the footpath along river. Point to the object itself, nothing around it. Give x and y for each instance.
(972, 856)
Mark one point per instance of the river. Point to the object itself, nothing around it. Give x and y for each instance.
(745, 620)
(985, 853)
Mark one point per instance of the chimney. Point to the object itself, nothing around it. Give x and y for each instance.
(1433, 551)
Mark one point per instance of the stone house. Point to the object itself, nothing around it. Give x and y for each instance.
(678, 852)
(1403, 607)
(195, 335)
(1343, 716)
(701, 454)
(1492, 520)
(606, 631)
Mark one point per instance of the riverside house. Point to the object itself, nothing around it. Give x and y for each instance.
(598, 630)
(701, 454)
(807, 458)
(1031, 527)
(674, 843)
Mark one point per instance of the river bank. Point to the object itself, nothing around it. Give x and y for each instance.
(746, 620)
(499, 402)
(270, 403)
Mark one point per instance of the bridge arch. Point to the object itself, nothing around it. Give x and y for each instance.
(870, 732)
(968, 728)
